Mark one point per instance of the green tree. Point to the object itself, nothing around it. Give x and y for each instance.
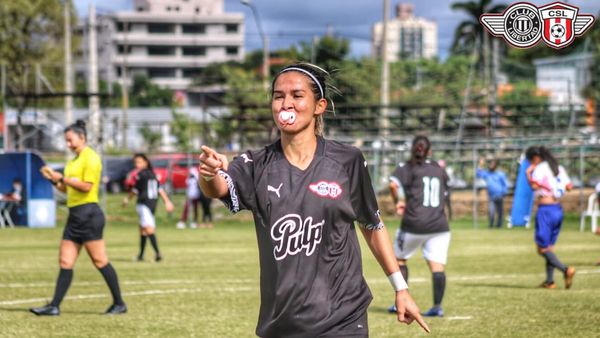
(469, 31)
(183, 128)
(30, 30)
(150, 136)
(523, 93)
(144, 93)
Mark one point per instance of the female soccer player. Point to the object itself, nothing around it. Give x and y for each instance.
(418, 189)
(85, 222)
(305, 193)
(146, 187)
(550, 182)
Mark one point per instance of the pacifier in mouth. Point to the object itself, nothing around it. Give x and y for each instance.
(287, 117)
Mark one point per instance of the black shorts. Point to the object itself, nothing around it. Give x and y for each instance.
(85, 223)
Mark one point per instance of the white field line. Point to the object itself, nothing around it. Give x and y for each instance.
(234, 289)
(459, 318)
(478, 277)
(149, 282)
(129, 294)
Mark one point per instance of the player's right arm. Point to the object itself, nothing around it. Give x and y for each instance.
(397, 191)
(212, 184)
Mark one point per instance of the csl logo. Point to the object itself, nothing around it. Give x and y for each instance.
(522, 25)
(326, 189)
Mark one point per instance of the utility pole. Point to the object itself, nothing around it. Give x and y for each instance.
(493, 86)
(68, 65)
(94, 101)
(68, 70)
(265, 41)
(384, 127)
(4, 105)
(124, 88)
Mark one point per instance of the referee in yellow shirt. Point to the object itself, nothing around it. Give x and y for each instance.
(85, 223)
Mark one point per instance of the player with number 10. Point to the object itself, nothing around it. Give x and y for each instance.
(418, 190)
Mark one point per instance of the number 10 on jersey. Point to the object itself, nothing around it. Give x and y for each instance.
(431, 192)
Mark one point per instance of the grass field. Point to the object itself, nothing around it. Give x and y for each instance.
(207, 286)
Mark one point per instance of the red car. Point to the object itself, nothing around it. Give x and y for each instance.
(171, 170)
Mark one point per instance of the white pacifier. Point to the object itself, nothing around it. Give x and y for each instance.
(287, 117)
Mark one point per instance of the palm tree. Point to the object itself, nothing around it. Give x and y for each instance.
(470, 31)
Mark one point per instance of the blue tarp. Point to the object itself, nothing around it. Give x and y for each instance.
(39, 209)
(523, 198)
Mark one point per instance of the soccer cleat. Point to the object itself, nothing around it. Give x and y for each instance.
(139, 258)
(435, 311)
(46, 310)
(392, 309)
(180, 225)
(548, 285)
(193, 225)
(569, 277)
(158, 258)
(116, 309)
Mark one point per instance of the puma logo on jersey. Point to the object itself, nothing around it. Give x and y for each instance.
(246, 158)
(275, 190)
(326, 189)
(292, 235)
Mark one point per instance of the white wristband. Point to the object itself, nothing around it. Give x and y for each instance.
(398, 282)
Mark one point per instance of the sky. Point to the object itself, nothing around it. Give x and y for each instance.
(287, 22)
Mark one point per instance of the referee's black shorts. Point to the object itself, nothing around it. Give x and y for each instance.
(85, 223)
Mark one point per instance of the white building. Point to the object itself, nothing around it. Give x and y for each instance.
(170, 41)
(564, 77)
(408, 36)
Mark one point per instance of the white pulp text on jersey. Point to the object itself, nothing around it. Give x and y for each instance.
(326, 189)
(293, 235)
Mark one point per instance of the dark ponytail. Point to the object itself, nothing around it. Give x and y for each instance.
(78, 128)
(552, 162)
(532, 152)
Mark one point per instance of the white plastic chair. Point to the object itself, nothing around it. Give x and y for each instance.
(592, 211)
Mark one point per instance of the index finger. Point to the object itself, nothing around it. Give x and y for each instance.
(421, 322)
(208, 150)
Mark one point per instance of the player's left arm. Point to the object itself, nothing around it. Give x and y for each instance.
(127, 198)
(165, 197)
(379, 242)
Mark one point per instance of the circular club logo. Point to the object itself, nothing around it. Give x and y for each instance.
(326, 189)
(523, 25)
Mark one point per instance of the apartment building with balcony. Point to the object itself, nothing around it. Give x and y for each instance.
(409, 37)
(170, 41)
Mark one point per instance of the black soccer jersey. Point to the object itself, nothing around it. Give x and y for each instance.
(311, 271)
(146, 186)
(425, 187)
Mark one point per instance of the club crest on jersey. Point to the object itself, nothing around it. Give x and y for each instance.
(326, 189)
(292, 235)
(522, 24)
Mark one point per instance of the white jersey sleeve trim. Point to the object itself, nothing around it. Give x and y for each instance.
(234, 206)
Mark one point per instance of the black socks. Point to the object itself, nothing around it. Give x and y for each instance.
(154, 244)
(439, 286)
(142, 246)
(65, 276)
(552, 262)
(110, 276)
(549, 272)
